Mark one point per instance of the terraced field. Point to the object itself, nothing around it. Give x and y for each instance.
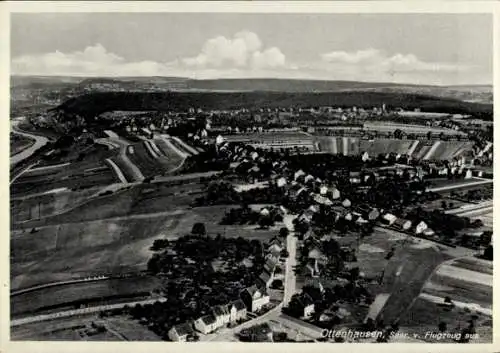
(432, 150)
(156, 157)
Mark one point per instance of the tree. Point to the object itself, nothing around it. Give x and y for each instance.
(488, 252)
(284, 232)
(398, 134)
(442, 326)
(198, 229)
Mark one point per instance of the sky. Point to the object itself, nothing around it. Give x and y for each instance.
(440, 49)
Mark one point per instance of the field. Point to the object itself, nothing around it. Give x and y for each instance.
(76, 175)
(468, 283)
(119, 328)
(97, 292)
(418, 149)
(391, 126)
(97, 237)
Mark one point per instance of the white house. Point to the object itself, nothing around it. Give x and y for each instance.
(206, 324)
(346, 203)
(264, 212)
(335, 193)
(237, 310)
(323, 190)
(389, 219)
(281, 182)
(420, 227)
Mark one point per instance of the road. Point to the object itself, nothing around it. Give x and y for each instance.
(458, 186)
(84, 311)
(40, 141)
(291, 262)
(226, 334)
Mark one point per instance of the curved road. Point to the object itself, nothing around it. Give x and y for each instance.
(39, 142)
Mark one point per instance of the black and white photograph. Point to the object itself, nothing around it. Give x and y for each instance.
(225, 176)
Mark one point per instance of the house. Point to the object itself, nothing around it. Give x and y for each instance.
(420, 227)
(468, 174)
(221, 314)
(308, 178)
(254, 298)
(271, 264)
(264, 212)
(346, 203)
(281, 182)
(206, 324)
(388, 219)
(315, 253)
(402, 224)
(428, 232)
(355, 177)
(180, 333)
(323, 190)
(322, 200)
(266, 278)
(334, 193)
(298, 174)
(306, 305)
(254, 155)
(237, 311)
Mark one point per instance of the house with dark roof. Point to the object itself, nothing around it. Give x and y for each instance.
(402, 224)
(221, 314)
(237, 310)
(254, 298)
(206, 324)
(266, 278)
(306, 305)
(180, 333)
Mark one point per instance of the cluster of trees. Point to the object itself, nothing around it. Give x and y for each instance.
(193, 284)
(446, 224)
(480, 194)
(245, 215)
(327, 301)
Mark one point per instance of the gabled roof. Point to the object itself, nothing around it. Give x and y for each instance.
(208, 319)
(183, 329)
(238, 304)
(251, 290)
(220, 310)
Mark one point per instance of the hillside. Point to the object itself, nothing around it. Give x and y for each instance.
(91, 105)
(468, 93)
